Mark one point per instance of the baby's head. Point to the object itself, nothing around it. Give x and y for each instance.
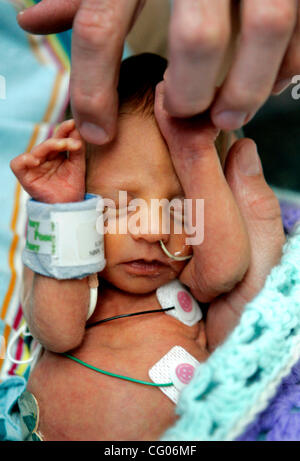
(138, 162)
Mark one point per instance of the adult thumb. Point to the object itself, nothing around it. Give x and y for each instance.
(260, 209)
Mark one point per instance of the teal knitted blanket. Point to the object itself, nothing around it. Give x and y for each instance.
(240, 378)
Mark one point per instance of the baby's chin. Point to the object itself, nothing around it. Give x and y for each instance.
(137, 284)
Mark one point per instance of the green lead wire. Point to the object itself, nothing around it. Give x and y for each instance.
(115, 375)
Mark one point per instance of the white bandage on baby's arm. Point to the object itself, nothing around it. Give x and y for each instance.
(63, 241)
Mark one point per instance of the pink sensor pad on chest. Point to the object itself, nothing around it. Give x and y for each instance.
(175, 294)
(178, 367)
(185, 301)
(184, 372)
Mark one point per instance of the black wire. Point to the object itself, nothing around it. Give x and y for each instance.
(128, 315)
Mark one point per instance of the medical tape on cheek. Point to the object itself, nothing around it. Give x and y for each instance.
(178, 367)
(62, 239)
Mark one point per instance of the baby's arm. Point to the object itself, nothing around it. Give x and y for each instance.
(55, 310)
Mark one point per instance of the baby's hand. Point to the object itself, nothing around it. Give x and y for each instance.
(48, 174)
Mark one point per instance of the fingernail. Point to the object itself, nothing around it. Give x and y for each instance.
(93, 134)
(281, 85)
(249, 162)
(230, 120)
(74, 144)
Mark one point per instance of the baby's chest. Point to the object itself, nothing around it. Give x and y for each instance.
(132, 345)
(126, 355)
(105, 386)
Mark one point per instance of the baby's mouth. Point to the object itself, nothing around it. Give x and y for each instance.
(143, 267)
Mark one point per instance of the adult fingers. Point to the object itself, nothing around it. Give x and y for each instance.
(199, 34)
(49, 16)
(221, 259)
(266, 31)
(99, 31)
(291, 62)
(261, 212)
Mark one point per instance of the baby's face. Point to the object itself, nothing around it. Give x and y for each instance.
(137, 162)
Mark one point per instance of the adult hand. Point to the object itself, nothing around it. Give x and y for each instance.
(99, 31)
(261, 212)
(267, 56)
(227, 266)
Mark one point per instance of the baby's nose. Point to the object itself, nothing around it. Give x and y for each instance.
(151, 237)
(150, 225)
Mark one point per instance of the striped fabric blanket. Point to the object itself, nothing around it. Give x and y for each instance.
(34, 95)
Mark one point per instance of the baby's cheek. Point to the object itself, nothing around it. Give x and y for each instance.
(113, 246)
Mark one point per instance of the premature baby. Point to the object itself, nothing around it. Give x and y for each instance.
(152, 157)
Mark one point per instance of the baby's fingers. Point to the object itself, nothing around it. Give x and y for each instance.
(23, 162)
(55, 146)
(64, 129)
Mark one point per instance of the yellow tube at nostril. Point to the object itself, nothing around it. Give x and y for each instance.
(176, 258)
